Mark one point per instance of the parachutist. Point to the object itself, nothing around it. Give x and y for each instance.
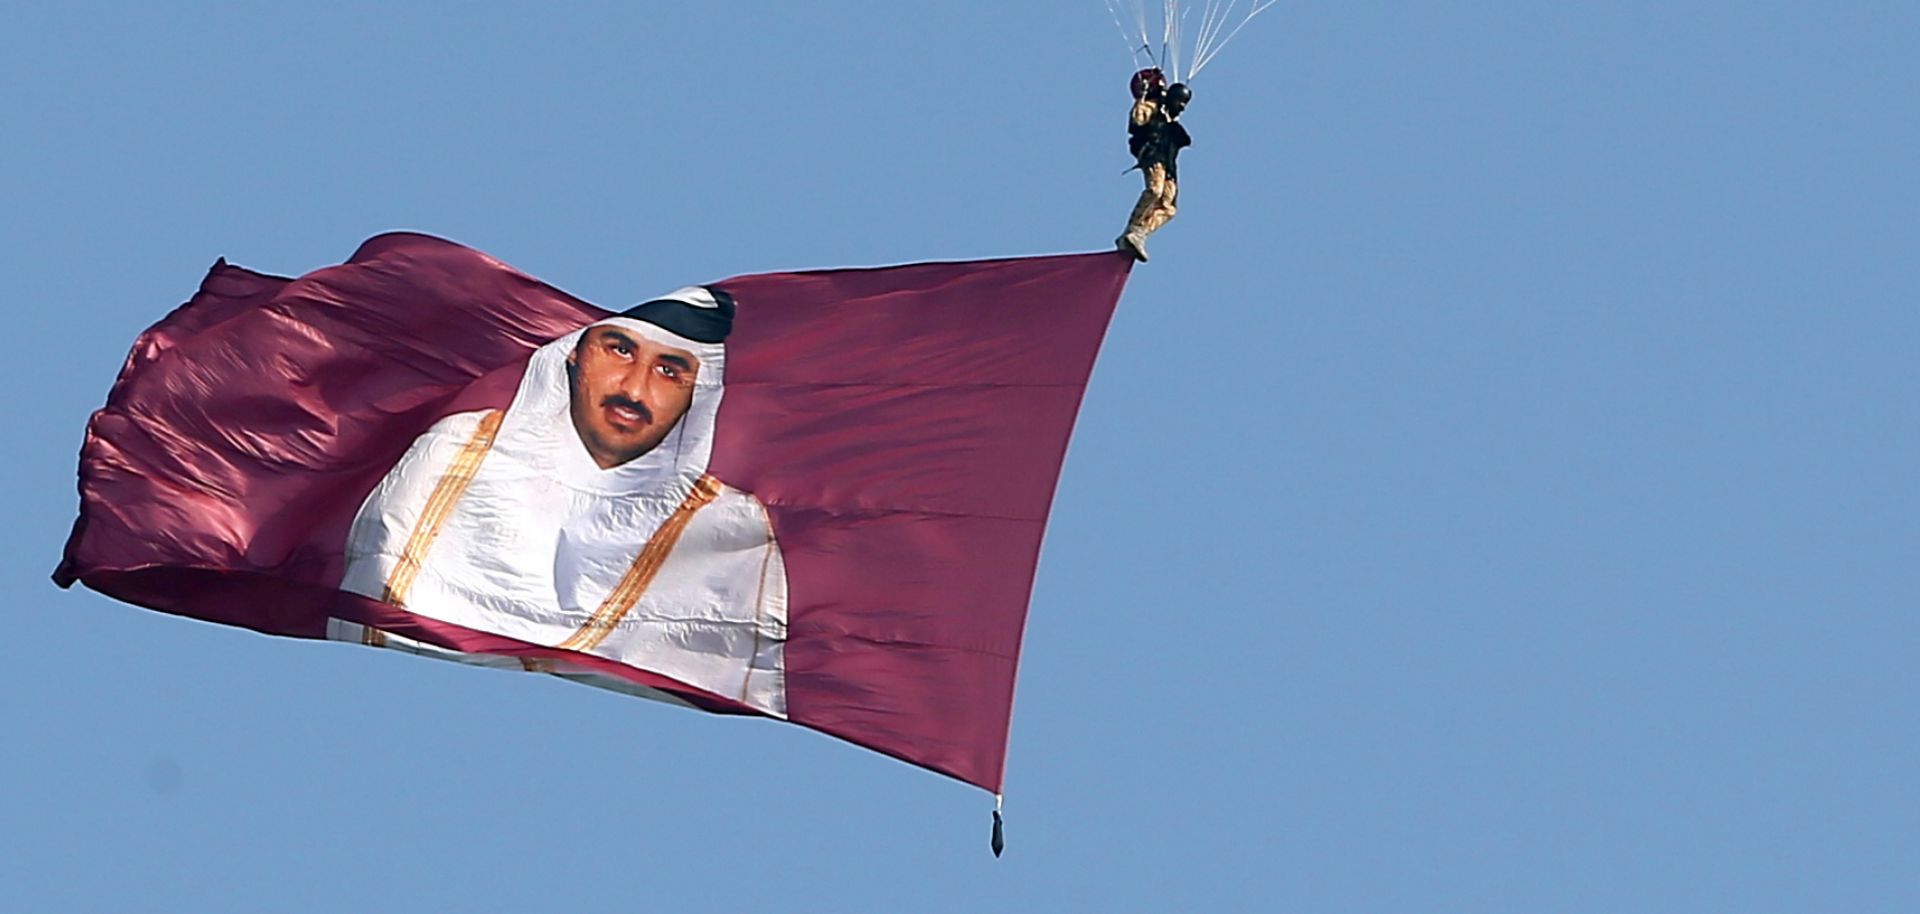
(1155, 136)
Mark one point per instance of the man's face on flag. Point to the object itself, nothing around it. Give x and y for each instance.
(628, 392)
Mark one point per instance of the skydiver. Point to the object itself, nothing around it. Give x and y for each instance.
(1155, 136)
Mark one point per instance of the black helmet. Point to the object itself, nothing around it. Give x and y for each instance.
(1179, 94)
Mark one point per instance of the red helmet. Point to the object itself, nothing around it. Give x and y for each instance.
(1149, 79)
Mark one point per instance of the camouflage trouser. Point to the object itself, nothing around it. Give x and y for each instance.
(1156, 204)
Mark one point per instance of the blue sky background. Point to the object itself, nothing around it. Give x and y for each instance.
(1498, 494)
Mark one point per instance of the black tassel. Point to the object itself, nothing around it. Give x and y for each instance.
(999, 835)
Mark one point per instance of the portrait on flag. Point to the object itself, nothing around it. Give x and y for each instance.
(582, 516)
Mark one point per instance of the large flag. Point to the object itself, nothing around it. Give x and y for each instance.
(814, 496)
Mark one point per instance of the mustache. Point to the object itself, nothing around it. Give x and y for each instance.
(646, 415)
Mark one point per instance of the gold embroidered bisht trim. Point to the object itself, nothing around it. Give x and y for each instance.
(645, 566)
(446, 494)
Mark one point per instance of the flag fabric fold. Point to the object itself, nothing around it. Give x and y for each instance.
(834, 516)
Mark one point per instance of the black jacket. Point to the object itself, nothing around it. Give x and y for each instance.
(1158, 141)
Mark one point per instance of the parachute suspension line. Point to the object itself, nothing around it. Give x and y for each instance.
(1210, 21)
(1210, 26)
(1125, 35)
(1182, 53)
(1215, 49)
(1139, 42)
(1140, 16)
(1177, 28)
(1170, 38)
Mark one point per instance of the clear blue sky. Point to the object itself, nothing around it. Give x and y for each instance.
(1498, 494)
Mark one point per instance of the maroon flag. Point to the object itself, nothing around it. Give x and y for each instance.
(814, 496)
